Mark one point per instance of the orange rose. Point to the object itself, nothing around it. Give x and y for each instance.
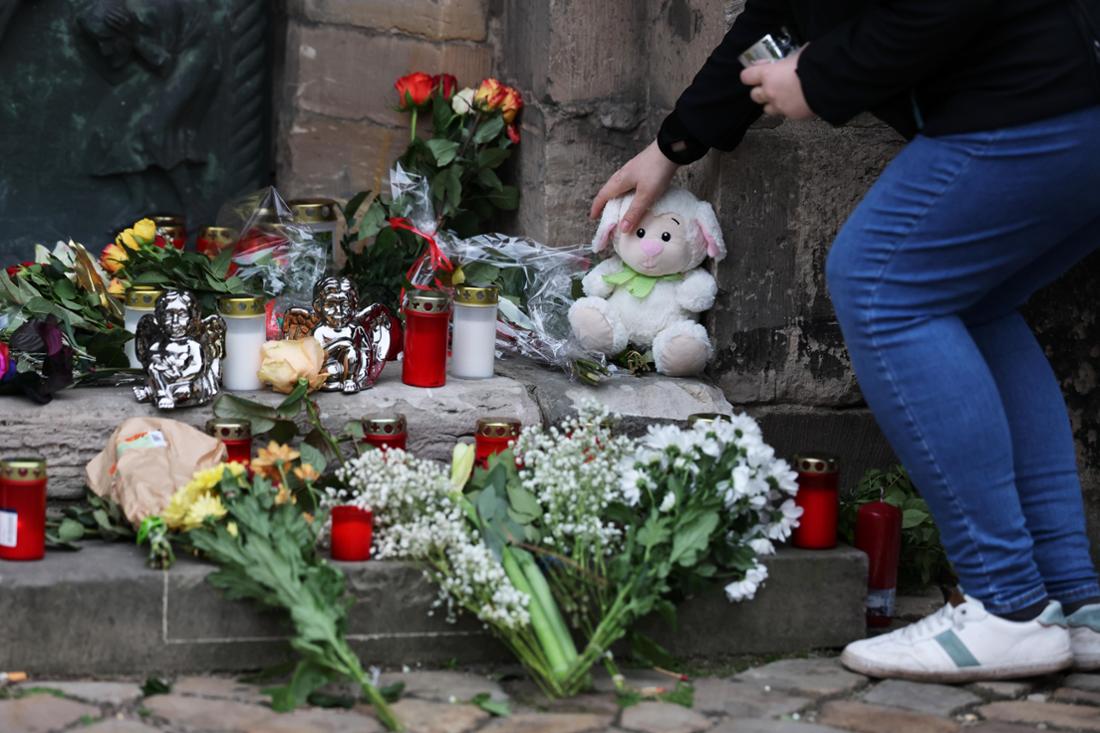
(511, 104)
(446, 84)
(415, 90)
(113, 258)
(489, 95)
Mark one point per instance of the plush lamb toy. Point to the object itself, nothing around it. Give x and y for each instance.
(652, 291)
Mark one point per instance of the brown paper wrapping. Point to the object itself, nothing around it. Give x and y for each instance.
(143, 480)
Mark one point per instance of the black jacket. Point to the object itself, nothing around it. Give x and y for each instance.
(934, 66)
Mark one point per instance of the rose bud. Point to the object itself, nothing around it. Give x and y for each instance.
(445, 84)
(415, 89)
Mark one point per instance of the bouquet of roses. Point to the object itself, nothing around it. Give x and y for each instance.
(580, 533)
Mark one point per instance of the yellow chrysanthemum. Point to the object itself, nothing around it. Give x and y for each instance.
(231, 528)
(176, 514)
(145, 230)
(205, 506)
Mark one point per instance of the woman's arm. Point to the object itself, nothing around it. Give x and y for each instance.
(884, 51)
(715, 111)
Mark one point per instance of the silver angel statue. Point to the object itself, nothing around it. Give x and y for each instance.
(181, 352)
(356, 342)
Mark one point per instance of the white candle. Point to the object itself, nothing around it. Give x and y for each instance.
(141, 300)
(474, 339)
(245, 334)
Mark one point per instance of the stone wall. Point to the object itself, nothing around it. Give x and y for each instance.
(338, 129)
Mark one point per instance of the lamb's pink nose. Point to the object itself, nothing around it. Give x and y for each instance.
(651, 247)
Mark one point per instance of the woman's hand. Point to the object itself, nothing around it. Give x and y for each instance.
(778, 88)
(648, 174)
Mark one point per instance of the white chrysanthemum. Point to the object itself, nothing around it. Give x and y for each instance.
(745, 589)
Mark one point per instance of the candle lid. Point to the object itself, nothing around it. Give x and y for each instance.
(707, 417)
(478, 297)
(816, 463)
(498, 427)
(23, 469)
(241, 306)
(223, 236)
(384, 425)
(168, 220)
(313, 211)
(143, 296)
(229, 428)
(427, 301)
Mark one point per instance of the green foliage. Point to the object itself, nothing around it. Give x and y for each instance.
(93, 517)
(496, 708)
(271, 558)
(923, 560)
(459, 161)
(155, 686)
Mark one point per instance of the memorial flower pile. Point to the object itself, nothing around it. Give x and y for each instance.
(560, 547)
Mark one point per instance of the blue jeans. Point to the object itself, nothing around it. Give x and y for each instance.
(927, 278)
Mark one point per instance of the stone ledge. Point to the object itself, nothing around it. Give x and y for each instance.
(101, 611)
(69, 431)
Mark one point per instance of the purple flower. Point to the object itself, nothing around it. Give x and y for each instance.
(47, 346)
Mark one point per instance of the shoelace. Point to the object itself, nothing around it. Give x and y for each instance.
(932, 623)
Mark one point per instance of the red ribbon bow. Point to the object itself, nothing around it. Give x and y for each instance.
(439, 260)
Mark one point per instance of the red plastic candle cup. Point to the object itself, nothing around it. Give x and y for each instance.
(212, 240)
(427, 326)
(819, 497)
(494, 435)
(173, 228)
(22, 509)
(352, 531)
(236, 435)
(385, 431)
(878, 533)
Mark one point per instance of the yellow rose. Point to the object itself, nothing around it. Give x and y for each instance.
(511, 104)
(113, 258)
(145, 230)
(489, 95)
(116, 287)
(283, 363)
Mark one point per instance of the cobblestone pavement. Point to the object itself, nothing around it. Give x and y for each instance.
(810, 695)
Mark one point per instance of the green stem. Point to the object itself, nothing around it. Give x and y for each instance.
(540, 622)
(315, 421)
(412, 127)
(541, 588)
(355, 670)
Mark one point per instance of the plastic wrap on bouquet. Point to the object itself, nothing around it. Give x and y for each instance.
(281, 255)
(412, 211)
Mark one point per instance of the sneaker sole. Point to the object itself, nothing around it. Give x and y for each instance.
(966, 674)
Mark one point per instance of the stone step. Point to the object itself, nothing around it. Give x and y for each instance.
(100, 611)
(69, 431)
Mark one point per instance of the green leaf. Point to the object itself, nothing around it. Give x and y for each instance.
(523, 501)
(496, 708)
(261, 416)
(645, 649)
(911, 518)
(352, 208)
(444, 151)
(155, 686)
(489, 179)
(654, 532)
(492, 157)
(313, 457)
(308, 677)
(70, 530)
(690, 541)
(506, 199)
(489, 130)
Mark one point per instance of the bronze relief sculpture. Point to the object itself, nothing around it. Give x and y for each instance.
(181, 352)
(356, 342)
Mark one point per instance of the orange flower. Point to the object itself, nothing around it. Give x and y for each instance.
(511, 104)
(415, 90)
(116, 287)
(267, 460)
(113, 258)
(306, 472)
(490, 95)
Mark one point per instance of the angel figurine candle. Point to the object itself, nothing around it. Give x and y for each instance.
(355, 341)
(181, 352)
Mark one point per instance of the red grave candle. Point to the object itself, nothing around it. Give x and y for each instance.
(22, 509)
(819, 497)
(878, 533)
(212, 240)
(385, 431)
(427, 325)
(173, 228)
(352, 531)
(493, 435)
(236, 435)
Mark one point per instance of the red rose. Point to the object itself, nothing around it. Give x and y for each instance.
(14, 270)
(160, 241)
(446, 84)
(415, 89)
(513, 133)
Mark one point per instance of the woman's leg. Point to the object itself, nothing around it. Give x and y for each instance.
(950, 220)
(1044, 454)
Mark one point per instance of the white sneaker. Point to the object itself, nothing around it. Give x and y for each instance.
(965, 643)
(1084, 636)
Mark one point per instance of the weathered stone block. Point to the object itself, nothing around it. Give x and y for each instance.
(682, 35)
(348, 73)
(326, 156)
(435, 19)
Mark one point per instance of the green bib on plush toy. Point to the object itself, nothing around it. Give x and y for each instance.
(636, 283)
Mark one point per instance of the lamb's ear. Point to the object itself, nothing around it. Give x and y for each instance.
(710, 230)
(612, 213)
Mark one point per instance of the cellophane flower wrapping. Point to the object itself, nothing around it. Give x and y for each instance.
(275, 251)
(535, 280)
